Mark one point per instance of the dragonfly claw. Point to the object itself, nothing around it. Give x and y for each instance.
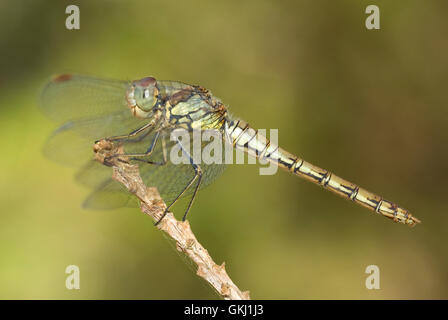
(161, 218)
(108, 161)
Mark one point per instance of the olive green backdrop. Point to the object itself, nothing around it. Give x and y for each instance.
(371, 106)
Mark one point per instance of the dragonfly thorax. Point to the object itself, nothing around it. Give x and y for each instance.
(195, 108)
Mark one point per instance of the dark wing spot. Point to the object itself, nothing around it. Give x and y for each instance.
(62, 77)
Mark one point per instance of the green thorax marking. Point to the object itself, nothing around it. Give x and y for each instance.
(193, 107)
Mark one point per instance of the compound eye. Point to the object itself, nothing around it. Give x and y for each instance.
(145, 93)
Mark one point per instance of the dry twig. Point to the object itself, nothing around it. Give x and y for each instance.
(152, 204)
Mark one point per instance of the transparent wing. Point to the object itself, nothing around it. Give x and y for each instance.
(87, 109)
(71, 144)
(169, 178)
(70, 97)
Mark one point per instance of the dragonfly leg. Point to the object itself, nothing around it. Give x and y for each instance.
(197, 175)
(164, 160)
(145, 154)
(130, 135)
(140, 137)
(199, 172)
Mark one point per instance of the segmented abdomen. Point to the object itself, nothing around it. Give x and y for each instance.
(243, 137)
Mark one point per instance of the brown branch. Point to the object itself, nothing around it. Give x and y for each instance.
(152, 204)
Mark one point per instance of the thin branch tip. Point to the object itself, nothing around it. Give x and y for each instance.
(111, 154)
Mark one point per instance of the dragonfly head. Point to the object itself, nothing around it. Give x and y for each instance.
(142, 96)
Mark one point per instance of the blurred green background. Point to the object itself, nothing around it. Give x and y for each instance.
(370, 106)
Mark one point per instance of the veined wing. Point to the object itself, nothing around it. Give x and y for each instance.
(71, 144)
(170, 178)
(70, 97)
(170, 182)
(88, 109)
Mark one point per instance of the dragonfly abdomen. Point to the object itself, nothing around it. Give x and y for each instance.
(243, 137)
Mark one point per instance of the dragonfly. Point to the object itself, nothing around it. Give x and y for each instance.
(140, 115)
